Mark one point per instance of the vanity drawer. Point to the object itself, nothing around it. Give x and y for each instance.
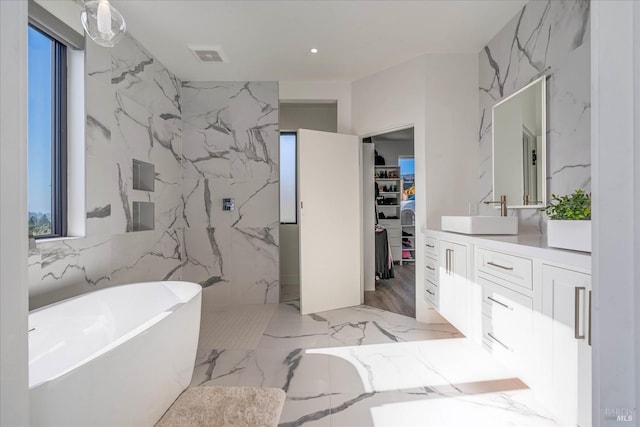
(512, 268)
(431, 246)
(432, 293)
(497, 345)
(507, 314)
(431, 269)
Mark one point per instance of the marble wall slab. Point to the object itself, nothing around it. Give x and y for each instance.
(549, 37)
(133, 111)
(231, 149)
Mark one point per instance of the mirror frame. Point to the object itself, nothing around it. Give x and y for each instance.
(543, 154)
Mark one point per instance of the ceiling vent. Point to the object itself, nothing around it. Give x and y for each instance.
(209, 54)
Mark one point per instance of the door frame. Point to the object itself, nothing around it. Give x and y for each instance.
(297, 223)
(366, 230)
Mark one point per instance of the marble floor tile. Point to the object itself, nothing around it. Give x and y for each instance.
(233, 327)
(359, 409)
(405, 409)
(293, 370)
(220, 366)
(364, 325)
(364, 312)
(362, 366)
(307, 410)
(295, 334)
(381, 367)
(290, 311)
(289, 292)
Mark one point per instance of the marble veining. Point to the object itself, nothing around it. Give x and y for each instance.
(362, 366)
(231, 149)
(207, 141)
(545, 38)
(133, 111)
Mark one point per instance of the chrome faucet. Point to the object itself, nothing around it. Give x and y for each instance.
(503, 205)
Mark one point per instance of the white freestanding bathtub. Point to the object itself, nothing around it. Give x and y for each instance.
(114, 357)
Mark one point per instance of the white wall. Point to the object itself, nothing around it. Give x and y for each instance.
(438, 95)
(314, 116)
(451, 127)
(615, 155)
(14, 401)
(339, 91)
(392, 99)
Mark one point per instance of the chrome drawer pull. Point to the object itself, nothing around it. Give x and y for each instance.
(430, 268)
(501, 303)
(499, 266)
(430, 293)
(576, 327)
(430, 246)
(589, 317)
(497, 340)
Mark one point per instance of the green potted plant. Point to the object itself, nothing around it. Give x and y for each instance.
(569, 225)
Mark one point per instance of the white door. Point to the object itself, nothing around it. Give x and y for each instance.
(329, 184)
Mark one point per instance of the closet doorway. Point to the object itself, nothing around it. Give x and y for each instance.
(389, 221)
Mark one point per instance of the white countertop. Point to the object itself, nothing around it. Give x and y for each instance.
(531, 245)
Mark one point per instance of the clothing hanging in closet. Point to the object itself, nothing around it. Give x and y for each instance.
(384, 262)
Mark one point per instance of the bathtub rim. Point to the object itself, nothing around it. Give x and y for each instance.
(158, 317)
(111, 288)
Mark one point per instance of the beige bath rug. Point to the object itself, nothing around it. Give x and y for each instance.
(214, 406)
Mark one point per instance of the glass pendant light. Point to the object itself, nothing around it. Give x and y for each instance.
(103, 23)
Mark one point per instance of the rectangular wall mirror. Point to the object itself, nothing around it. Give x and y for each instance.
(520, 146)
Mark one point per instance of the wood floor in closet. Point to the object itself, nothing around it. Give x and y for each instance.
(397, 295)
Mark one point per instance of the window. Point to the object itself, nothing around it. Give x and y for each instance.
(407, 173)
(47, 135)
(288, 178)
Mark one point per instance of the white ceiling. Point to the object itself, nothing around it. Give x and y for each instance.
(270, 40)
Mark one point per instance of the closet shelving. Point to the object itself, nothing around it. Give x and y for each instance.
(387, 178)
(408, 233)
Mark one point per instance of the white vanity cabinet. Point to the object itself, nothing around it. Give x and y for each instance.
(509, 304)
(566, 347)
(527, 305)
(454, 284)
(449, 285)
(432, 273)
(508, 330)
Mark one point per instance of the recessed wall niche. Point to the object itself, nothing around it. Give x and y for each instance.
(143, 175)
(143, 216)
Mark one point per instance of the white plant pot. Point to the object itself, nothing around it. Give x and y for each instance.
(574, 235)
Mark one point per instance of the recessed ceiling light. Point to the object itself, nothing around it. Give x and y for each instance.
(314, 50)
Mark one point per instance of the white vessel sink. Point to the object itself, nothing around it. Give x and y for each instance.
(480, 224)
